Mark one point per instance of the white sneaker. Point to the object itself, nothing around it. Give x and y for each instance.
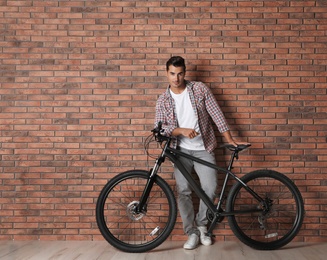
(192, 242)
(205, 240)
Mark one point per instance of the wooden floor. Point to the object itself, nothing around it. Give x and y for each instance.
(91, 250)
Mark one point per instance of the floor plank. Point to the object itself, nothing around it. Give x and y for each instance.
(100, 250)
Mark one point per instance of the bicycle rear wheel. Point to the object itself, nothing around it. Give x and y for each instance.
(132, 231)
(278, 223)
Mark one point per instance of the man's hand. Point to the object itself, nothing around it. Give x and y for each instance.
(190, 133)
(230, 139)
(187, 132)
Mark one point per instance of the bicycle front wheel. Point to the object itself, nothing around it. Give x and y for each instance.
(281, 214)
(122, 225)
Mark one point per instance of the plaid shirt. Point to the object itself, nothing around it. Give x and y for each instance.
(204, 105)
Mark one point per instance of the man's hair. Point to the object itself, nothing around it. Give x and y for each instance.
(176, 61)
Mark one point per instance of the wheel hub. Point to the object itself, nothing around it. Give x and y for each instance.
(131, 211)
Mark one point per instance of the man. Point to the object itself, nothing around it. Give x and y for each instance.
(185, 110)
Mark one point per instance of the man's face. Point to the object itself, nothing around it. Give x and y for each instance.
(176, 77)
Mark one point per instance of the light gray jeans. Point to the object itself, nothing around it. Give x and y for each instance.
(208, 181)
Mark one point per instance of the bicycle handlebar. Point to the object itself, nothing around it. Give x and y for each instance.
(157, 133)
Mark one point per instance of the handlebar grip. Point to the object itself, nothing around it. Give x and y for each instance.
(158, 128)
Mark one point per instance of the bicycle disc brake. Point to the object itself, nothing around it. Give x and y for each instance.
(131, 211)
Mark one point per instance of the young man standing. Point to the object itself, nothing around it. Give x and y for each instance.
(185, 110)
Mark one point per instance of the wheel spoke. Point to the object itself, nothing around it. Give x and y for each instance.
(282, 212)
(126, 228)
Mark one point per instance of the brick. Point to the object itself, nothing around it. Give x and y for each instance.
(79, 83)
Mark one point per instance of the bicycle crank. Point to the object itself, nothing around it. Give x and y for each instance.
(211, 215)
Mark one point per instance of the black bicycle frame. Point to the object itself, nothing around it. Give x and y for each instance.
(173, 154)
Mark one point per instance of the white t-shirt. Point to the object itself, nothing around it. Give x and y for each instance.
(186, 118)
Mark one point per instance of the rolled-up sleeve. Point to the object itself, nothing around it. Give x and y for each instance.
(165, 115)
(215, 111)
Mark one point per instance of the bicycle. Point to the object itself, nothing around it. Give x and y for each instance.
(136, 210)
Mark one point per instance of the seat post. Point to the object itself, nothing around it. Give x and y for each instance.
(231, 161)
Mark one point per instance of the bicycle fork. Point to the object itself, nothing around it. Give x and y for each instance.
(141, 208)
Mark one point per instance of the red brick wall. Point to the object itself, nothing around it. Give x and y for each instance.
(79, 81)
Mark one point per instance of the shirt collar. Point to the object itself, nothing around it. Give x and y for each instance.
(187, 84)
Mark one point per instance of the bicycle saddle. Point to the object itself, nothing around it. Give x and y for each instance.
(238, 148)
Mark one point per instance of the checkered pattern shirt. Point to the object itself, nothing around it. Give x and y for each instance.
(205, 107)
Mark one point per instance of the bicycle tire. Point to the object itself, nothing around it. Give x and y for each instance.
(127, 230)
(266, 230)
